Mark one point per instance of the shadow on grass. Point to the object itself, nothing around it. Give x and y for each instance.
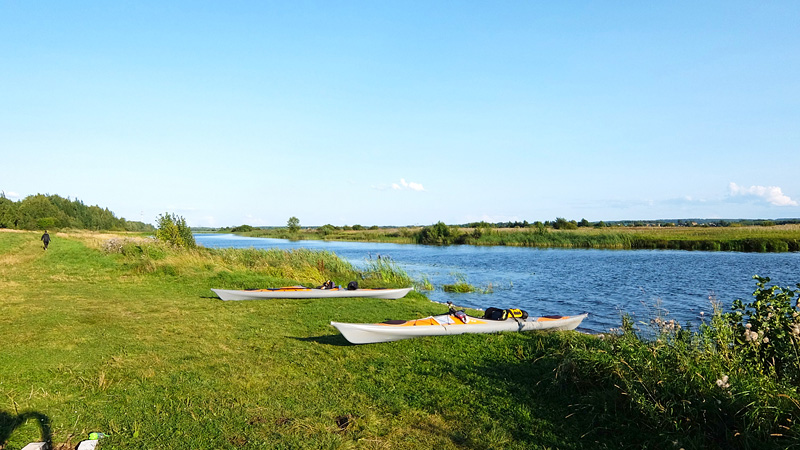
(331, 339)
(568, 422)
(577, 409)
(9, 423)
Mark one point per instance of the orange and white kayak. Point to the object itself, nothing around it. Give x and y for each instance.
(445, 324)
(307, 292)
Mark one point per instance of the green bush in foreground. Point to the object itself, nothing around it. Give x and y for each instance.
(732, 384)
(767, 331)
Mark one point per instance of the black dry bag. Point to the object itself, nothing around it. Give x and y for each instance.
(495, 314)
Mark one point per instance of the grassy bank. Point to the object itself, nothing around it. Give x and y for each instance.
(779, 238)
(123, 336)
(390, 235)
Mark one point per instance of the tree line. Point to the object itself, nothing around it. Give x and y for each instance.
(41, 212)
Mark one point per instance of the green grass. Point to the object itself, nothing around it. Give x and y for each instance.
(460, 286)
(134, 344)
(109, 342)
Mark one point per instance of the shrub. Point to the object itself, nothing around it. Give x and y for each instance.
(564, 224)
(326, 229)
(173, 230)
(768, 330)
(46, 222)
(733, 384)
(439, 234)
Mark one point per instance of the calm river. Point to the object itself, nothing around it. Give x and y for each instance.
(559, 281)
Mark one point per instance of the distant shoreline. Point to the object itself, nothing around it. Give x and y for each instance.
(757, 239)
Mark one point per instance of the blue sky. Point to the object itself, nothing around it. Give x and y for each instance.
(403, 113)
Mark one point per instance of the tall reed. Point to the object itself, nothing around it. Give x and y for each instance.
(257, 268)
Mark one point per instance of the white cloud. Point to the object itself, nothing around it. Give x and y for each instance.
(407, 185)
(11, 195)
(772, 194)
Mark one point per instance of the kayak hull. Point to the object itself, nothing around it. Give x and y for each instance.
(304, 292)
(370, 333)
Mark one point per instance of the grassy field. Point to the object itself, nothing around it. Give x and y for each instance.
(779, 238)
(122, 335)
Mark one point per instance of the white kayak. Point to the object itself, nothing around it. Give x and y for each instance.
(394, 330)
(307, 292)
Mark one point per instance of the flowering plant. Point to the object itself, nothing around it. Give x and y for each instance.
(767, 329)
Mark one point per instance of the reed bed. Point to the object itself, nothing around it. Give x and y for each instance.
(784, 238)
(256, 268)
(779, 238)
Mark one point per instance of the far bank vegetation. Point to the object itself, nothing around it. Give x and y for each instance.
(742, 236)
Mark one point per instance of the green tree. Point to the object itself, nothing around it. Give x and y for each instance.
(9, 215)
(35, 207)
(53, 211)
(293, 224)
(173, 229)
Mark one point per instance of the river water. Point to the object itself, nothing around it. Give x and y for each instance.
(604, 283)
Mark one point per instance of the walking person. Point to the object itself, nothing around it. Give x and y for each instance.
(46, 239)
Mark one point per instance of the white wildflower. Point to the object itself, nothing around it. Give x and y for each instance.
(723, 382)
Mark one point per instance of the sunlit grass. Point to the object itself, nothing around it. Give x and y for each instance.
(130, 341)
